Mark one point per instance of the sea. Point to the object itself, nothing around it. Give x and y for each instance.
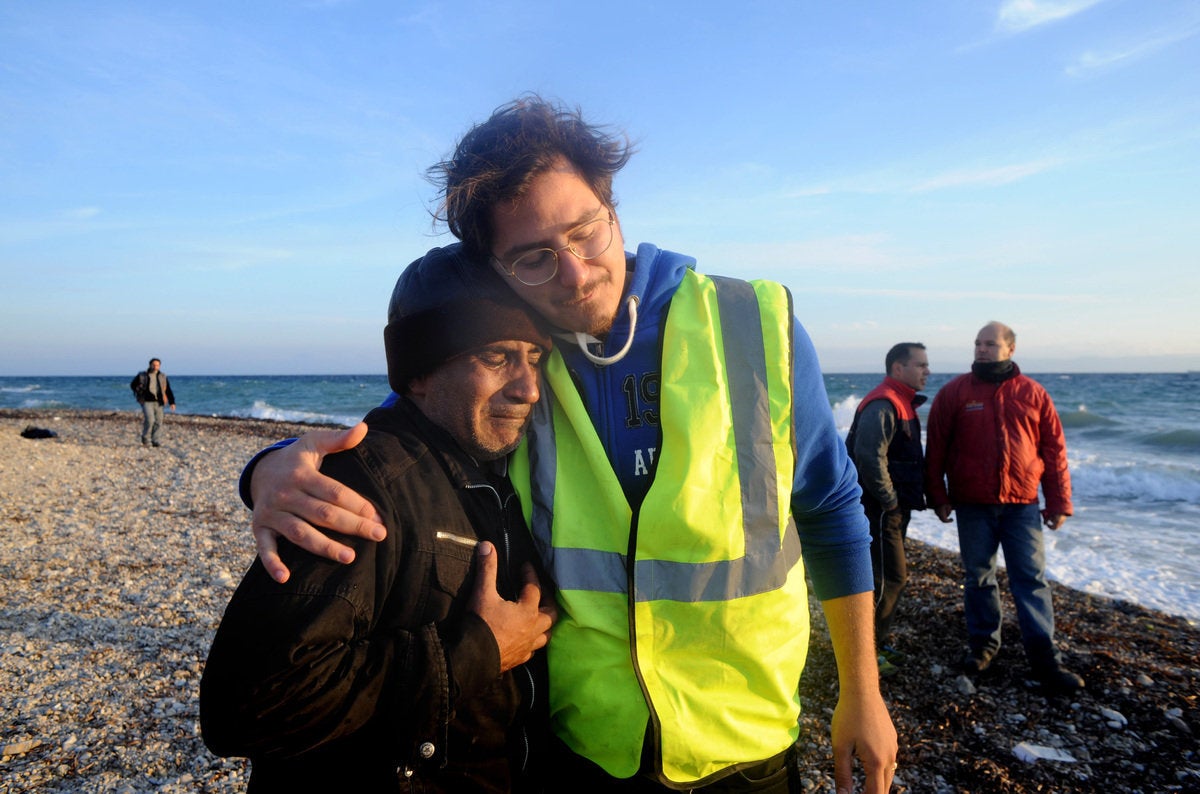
(1133, 444)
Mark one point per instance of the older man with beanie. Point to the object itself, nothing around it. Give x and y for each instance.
(418, 666)
(994, 438)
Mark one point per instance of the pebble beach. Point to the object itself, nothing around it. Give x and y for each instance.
(117, 560)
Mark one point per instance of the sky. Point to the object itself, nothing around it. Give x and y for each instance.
(233, 187)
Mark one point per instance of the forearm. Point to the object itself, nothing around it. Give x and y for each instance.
(861, 725)
(851, 621)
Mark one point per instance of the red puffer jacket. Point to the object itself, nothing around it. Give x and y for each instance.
(995, 443)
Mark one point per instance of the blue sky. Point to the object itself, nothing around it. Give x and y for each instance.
(233, 187)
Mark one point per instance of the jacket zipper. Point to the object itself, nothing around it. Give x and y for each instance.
(503, 505)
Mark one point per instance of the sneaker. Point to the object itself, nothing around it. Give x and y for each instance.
(155, 444)
(977, 661)
(1057, 681)
(892, 655)
(886, 668)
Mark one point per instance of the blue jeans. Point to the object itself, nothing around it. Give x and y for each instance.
(151, 422)
(982, 529)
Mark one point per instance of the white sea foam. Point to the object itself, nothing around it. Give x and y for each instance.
(1100, 477)
(1098, 559)
(843, 412)
(264, 410)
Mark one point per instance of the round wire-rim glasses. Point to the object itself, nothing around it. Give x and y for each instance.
(586, 241)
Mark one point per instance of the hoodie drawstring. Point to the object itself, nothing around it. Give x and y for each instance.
(583, 339)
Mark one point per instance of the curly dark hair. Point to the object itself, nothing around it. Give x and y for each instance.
(497, 160)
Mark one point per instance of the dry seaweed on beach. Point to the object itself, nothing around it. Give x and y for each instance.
(116, 562)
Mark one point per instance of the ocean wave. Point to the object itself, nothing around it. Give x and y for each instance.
(843, 412)
(1181, 439)
(20, 389)
(1083, 418)
(44, 403)
(1096, 479)
(264, 410)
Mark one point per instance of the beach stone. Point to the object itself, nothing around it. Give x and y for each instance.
(19, 748)
(1114, 719)
(1179, 725)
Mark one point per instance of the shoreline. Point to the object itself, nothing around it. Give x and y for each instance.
(118, 562)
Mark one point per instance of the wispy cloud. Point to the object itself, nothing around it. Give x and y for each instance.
(984, 177)
(1015, 16)
(1092, 61)
(891, 182)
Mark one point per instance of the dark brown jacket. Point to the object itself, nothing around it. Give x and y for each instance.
(373, 676)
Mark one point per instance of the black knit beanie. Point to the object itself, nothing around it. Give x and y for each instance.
(444, 306)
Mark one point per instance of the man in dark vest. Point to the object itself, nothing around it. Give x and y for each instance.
(885, 444)
(153, 391)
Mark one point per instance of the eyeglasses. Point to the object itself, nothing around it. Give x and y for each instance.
(586, 241)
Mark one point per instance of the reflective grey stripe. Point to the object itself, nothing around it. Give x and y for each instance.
(543, 465)
(765, 566)
(746, 369)
(657, 580)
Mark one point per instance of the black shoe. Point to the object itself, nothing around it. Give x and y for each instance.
(155, 444)
(1057, 681)
(977, 661)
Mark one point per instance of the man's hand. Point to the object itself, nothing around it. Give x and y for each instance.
(1053, 520)
(862, 727)
(943, 513)
(292, 497)
(861, 724)
(520, 627)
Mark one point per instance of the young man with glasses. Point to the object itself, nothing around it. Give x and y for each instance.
(685, 431)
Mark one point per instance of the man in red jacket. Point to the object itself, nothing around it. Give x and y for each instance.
(995, 436)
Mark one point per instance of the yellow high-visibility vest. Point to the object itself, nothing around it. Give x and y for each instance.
(689, 615)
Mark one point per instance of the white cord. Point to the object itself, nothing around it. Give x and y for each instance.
(583, 340)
